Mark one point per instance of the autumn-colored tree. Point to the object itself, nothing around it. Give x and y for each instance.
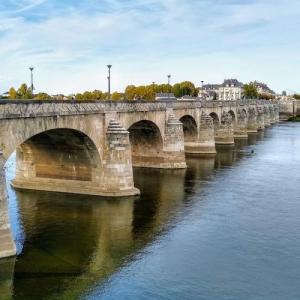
(88, 96)
(24, 92)
(266, 96)
(79, 96)
(12, 94)
(116, 96)
(97, 95)
(185, 88)
(130, 92)
(42, 96)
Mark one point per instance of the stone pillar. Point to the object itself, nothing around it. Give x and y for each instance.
(206, 138)
(224, 134)
(272, 115)
(252, 120)
(117, 165)
(7, 245)
(173, 148)
(260, 119)
(267, 117)
(240, 131)
(207, 135)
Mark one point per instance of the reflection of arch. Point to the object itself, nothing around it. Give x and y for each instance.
(146, 141)
(65, 154)
(216, 120)
(189, 128)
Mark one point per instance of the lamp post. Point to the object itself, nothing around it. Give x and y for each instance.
(169, 81)
(202, 81)
(31, 76)
(109, 67)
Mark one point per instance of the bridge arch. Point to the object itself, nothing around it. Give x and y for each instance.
(216, 120)
(18, 131)
(146, 143)
(57, 157)
(233, 117)
(190, 129)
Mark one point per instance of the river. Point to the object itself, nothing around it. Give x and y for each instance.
(228, 227)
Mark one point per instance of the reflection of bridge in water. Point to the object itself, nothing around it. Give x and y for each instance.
(78, 241)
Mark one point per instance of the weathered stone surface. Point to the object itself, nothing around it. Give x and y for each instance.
(224, 134)
(205, 143)
(260, 119)
(240, 131)
(252, 120)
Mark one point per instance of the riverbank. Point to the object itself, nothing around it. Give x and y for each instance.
(294, 119)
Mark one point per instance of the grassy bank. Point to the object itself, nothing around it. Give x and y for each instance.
(294, 119)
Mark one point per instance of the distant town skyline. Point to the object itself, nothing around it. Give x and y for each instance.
(70, 44)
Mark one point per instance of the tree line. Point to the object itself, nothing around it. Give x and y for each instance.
(132, 92)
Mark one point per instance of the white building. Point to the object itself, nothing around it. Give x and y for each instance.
(231, 89)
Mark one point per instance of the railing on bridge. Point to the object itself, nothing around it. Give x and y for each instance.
(36, 108)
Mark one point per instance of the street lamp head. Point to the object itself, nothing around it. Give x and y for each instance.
(169, 76)
(109, 66)
(31, 69)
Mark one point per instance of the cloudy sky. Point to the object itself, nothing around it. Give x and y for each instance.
(70, 42)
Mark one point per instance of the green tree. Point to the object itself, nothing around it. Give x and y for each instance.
(250, 90)
(12, 93)
(176, 90)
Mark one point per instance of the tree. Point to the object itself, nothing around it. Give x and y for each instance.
(97, 95)
(130, 92)
(116, 96)
(87, 96)
(24, 92)
(250, 90)
(42, 96)
(12, 93)
(79, 96)
(297, 96)
(176, 90)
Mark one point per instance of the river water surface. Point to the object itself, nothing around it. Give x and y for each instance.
(228, 227)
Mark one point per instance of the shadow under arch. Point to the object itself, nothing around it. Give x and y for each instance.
(216, 120)
(190, 130)
(146, 144)
(233, 116)
(57, 160)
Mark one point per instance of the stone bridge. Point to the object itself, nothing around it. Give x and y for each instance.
(91, 147)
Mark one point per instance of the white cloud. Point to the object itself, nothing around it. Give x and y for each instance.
(70, 46)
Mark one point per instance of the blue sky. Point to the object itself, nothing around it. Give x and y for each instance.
(70, 42)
